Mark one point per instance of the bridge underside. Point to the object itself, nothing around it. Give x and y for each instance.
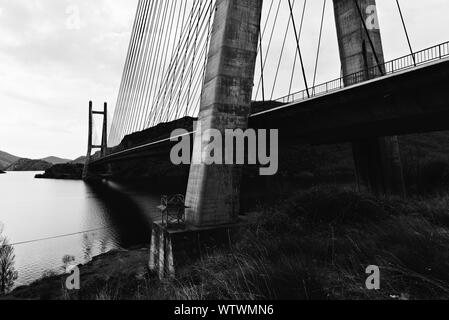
(414, 101)
(400, 104)
(397, 105)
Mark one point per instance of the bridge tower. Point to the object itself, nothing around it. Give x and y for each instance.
(213, 190)
(104, 138)
(377, 161)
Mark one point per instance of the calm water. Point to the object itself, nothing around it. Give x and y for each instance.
(117, 216)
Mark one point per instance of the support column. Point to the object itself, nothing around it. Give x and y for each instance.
(377, 161)
(89, 144)
(104, 137)
(213, 190)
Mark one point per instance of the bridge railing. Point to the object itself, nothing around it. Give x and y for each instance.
(418, 58)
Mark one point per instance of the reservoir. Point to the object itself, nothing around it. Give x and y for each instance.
(46, 220)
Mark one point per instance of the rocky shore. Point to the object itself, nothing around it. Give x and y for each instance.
(66, 171)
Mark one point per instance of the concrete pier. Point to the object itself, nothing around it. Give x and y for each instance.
(89, 143)
(104, 139)
(175, 247)
(214, 190)
(377, 161)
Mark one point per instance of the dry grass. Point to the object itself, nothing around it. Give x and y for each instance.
(317, 245)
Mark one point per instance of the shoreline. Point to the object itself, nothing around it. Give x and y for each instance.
(103, 268)
(67, 171)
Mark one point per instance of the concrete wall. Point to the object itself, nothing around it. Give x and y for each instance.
(213, 191)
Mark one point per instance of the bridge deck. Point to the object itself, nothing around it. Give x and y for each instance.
(410, 101)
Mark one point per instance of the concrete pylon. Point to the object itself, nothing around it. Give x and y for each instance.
(213, 190)
(89, 144)
(104, 136)
(377, 161)
(104, 139)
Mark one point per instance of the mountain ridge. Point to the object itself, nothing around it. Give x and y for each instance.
(29, 165)
(7, 159)
(56, 160)
(9, 162)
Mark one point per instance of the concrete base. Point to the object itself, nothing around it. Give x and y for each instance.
(174, 247)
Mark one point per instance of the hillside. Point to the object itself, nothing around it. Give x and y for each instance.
(29, 165)
(80, 160)
(7, 159)
(56, 160)
(67, 171)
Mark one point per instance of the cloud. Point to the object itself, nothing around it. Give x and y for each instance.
(50, 69)
(56, 55)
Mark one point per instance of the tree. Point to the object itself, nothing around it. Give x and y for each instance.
(8, 274)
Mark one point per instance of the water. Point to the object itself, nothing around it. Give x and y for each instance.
(116, 216)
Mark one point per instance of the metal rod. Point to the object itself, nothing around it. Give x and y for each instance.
(406, 32)
(299, 49)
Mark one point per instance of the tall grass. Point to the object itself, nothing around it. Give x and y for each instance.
(317, 245)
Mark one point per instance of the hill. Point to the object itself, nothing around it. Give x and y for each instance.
(66, 171)
(29, 165)
(56, 160)
(7, 159)
(310, 237)
(80, 160)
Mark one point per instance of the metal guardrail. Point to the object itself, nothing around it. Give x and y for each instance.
(411, 61)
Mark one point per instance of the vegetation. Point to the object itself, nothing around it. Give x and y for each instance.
(318, 245)
(29, 165)
(67, 171)
(6, 160)
(315, 245)
(8, 274)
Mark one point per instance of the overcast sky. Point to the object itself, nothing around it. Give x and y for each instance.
(56, 55)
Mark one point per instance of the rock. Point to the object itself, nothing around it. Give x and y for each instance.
(66, 171)
(2, 172)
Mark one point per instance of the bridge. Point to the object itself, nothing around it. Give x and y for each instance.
(206, 61)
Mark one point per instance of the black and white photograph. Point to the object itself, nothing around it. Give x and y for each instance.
(215, 158)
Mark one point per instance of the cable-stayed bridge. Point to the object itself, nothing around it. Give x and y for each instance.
(214, 61)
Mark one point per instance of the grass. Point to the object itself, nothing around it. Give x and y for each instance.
(317, 245)
(332, 235)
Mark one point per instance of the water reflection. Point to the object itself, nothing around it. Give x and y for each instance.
(127, 213)
(119, 216)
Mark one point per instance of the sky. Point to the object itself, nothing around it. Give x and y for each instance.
(56, 55)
